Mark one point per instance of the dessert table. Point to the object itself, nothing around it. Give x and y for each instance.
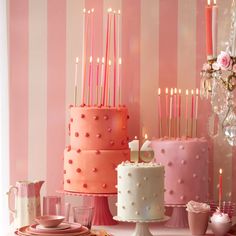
(127, 229)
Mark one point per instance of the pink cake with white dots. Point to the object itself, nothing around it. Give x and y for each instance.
(98, 143)
(186, 168)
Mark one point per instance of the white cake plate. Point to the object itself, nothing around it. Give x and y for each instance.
(178, 218)
(102, 214)
(141, 227)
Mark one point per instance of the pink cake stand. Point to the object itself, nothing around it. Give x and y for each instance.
(141, 227)
(179, 217)
(102, 214)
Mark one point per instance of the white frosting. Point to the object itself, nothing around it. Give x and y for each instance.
(220, 217)
(197, 207)
(140, 191)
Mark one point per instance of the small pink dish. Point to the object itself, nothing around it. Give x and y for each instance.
(49, 221)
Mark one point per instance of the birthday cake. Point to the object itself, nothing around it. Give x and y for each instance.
(186, 168)
(98, 143)
(140, 191)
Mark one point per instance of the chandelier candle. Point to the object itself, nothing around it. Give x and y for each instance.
(208, 13)
(119, 80)
(108, 95)
(76, 79)
(90, 82)
(214, 28)
(102, 79)
(92, 33)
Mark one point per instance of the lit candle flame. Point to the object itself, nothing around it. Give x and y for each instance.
(179, 91)
(146, 136)
(192, 92)
(159, 91)
(88, 11)
(109, 62)
(187, 92)
(103, 60)
(197, 91)
(171, 91)
(90, 59)
(175, 91)
(98, 60)
(166, 90)
(209, 2)
(109, 10)
(220, 171)
(92, 10)
(120, 61)
(214, 2)
(77, 60)
(135, 137)
(118, 11)
(84, 10)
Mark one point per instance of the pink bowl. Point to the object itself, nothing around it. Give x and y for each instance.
(49, 221)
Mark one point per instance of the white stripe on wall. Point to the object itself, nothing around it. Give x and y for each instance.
(37, 160)
(149, 67)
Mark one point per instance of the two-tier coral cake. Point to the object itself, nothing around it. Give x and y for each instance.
(98, 143)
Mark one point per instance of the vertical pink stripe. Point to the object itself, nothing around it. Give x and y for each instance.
(56, 93)
(18, 72)
(204, 105)
(168, 49)
(131, 62)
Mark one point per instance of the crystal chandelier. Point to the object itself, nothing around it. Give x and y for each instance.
(218, 82)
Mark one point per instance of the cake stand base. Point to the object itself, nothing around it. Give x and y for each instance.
(102, 214)
(179, 218)
(141, 227)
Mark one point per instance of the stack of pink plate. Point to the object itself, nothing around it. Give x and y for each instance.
(68, 229)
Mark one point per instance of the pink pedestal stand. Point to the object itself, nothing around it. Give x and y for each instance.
(102, 214)
(179, 217)
(141, 227)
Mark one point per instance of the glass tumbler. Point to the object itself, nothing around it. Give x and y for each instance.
(83, 215)
(51, 205)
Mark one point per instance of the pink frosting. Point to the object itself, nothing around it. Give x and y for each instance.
(98, 128)
(186, 169)
(92, 171)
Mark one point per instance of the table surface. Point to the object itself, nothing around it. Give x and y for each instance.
(126, 229)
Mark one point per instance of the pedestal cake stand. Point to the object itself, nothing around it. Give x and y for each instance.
(141, 227)
(178, 218)
(102, 214)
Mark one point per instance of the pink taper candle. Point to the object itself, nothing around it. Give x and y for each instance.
(90, 82)
(114, 61)
(167, 111)
(171, 112)
(76, 79)
(159, 112)
(220, 187)
(214, 28)
(179, 112)
(107, 53)
(119, 80)
(192, 112)
(196, 110)
(208, 13)
(186, 111)
(102, 80)
(97, 80)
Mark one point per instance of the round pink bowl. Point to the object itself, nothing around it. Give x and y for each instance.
(49, 221)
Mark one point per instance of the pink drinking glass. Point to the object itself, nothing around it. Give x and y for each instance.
(51, 205)
(83, 215)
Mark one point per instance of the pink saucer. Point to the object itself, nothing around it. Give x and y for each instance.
(59, 227)
(74, 229)
(49, 220)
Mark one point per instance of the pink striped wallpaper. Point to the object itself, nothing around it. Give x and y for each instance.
(163, 44)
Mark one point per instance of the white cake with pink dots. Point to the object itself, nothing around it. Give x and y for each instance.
(140, 191)
(186, 168)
